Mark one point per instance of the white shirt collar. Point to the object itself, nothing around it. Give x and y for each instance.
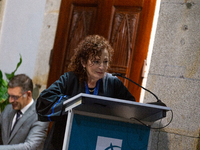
(23, 111)
(27, 106)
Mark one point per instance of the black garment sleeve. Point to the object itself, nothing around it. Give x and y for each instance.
(49, 105)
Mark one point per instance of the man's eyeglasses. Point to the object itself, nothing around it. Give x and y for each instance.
(14, 97)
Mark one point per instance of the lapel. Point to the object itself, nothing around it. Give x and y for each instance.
(9, 120)
(20, 122)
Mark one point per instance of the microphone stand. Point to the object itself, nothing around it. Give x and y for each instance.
(159, 102)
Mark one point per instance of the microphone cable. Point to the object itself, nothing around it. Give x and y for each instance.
(154, 127)
(119, 74)
(159, 102)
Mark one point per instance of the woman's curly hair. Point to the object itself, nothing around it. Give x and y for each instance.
(88, 48)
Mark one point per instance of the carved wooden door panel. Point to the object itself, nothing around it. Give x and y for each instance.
(124, 31)
(81, 25)
(121, 22)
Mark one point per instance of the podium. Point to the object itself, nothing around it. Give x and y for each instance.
(103, 123)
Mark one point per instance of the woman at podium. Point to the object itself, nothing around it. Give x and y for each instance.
(87, 74)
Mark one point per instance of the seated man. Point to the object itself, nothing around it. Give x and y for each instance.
(19, 125)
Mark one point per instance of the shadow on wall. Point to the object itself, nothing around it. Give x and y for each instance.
(198, 142)
(159, 139)
(36, 91)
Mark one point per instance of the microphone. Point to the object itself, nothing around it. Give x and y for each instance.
(159, 102)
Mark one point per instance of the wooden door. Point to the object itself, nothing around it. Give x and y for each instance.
(125, 23)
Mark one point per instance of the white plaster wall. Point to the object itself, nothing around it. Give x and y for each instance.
(20, 33)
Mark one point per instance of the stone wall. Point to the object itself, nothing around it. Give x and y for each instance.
(2, 7)
(47, 37)
(174, 75)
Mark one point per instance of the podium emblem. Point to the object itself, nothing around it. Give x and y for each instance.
(106, 143)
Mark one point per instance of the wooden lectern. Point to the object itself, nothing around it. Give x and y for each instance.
(103, 123)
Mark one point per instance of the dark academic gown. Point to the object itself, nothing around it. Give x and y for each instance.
(50, 102)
